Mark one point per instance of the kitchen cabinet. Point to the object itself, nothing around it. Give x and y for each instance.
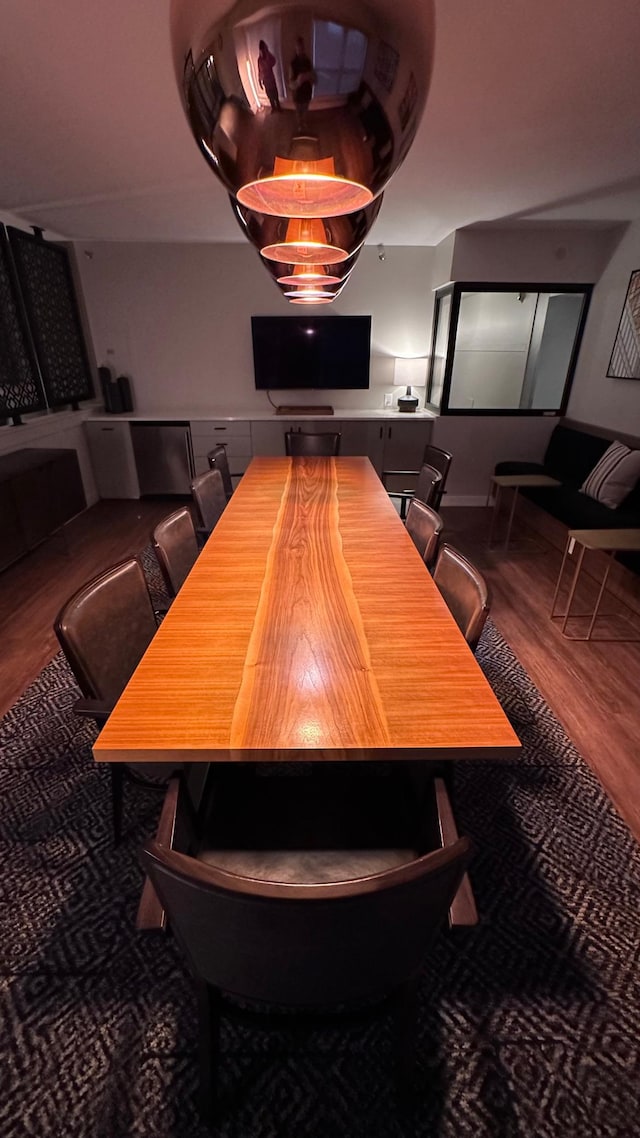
(234, 434)
(112, 459)
(403, 448)
(40, 490)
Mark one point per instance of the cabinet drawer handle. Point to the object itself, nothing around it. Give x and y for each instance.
(107, 428)
(220, 428)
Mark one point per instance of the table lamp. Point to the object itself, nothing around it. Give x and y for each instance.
(408, 372)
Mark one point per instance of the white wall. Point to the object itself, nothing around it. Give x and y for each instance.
(536, 253)
(612, 403)
(177, 320)
(478, 443)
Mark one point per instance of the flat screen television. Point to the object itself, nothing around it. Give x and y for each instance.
(323, 352)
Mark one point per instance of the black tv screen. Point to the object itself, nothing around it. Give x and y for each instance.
(328, 352)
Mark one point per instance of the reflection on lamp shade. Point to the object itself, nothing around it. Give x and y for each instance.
(304, 187)
(311, 299)
(309, 274)
(410, 372)
(305, 244)
(305, 137)
(309, 295)
(297, 283)
(306, 240)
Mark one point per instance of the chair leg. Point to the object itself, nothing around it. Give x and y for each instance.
(405, 1032)
(208, 1050)
(117, 777)
(403, 508)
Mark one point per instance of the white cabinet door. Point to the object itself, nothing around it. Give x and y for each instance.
(404, 445)
(236, 437)
(363, 437)
(112, 459)
(267, 437)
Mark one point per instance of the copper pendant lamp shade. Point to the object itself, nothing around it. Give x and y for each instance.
(305, 240)
(304, 282)
(305, 243)
(303, 110)
(309, 275)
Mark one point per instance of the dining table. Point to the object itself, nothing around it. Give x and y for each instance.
(308, 629)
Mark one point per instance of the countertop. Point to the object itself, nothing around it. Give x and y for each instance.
(212, 415)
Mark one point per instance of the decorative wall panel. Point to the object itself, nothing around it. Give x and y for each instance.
(20, 387)
(46, 284)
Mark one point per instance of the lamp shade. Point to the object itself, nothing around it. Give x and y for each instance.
(296, 284)
(307, 240)
(303, 109)
(410, 372)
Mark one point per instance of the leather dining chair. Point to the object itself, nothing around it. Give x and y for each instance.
(218, 460)
(312, 444)
(427, 487)
(465, 591)
(424, 527)
(433, 456)
(210, 499)
(176, 548)
(313, 922)
(104, 630)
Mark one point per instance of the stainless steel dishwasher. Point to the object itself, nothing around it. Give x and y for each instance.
(164, 458)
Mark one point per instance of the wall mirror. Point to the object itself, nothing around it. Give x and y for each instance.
(505, 348)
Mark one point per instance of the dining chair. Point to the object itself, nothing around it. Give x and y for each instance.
(218, 460)
(210, 499)
(465, 591)
(307, 923)
(424, 527)
(433, 456)
(426, 489)
(176, 548)
(103, 630)
(312, 444)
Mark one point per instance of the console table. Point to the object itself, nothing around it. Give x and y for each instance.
(513, 482)
(609, 541)
(40, 490)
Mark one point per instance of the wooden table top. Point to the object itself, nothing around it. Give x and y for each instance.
(308, 628)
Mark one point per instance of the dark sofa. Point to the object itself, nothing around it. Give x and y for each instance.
(571, 454)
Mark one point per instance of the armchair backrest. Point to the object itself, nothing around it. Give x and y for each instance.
(424, 526)
(465, 591)
(176, 548)
(306, 944)
(428, 485)
(217, 459)
(105, 628)
(312, 444)
(209, 497)
(440, 460)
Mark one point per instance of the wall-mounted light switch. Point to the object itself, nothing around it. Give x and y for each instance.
(388, 399)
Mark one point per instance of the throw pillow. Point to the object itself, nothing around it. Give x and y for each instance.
(614, 476)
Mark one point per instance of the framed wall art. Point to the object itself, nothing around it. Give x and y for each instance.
(625, 357)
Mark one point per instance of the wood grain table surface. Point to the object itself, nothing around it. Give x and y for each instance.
(308, 628)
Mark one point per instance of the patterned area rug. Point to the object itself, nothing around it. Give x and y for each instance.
(529, 1024)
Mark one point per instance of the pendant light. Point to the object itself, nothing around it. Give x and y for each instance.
(303, 109)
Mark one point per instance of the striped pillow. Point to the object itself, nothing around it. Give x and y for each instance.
(614, 476)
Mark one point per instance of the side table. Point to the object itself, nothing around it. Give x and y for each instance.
(513, 482)
(609, 541)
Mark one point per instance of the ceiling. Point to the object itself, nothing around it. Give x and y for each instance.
(532, 114)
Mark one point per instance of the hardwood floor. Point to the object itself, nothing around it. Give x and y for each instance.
(592, 687)
(33, 590)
